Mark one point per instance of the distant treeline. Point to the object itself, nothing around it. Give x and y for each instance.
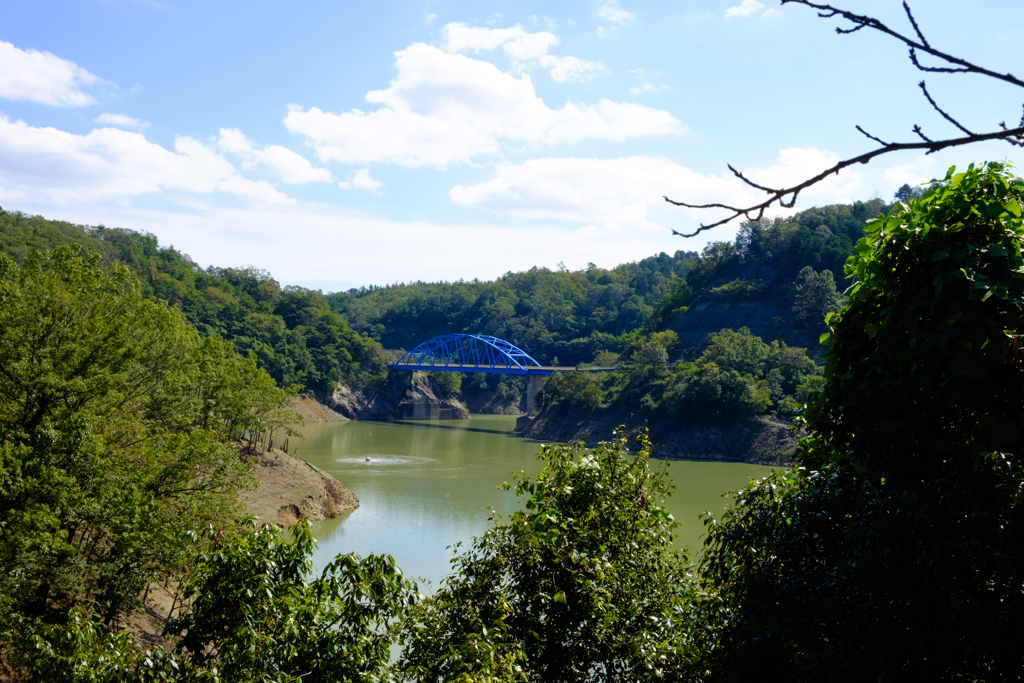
(551, 314)
(293, 333)
(302, 337)
(572, 316)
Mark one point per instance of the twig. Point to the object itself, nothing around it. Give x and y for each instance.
(937, 108)
(779, 195)
(786, 197)
(860, 21)
(872, 137)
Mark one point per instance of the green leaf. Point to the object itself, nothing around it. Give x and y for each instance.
(1013, 207)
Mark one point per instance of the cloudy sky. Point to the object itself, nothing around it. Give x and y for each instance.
(338, 144)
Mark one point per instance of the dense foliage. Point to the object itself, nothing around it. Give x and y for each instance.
(737, 375)
(251, 613)
(292, 331)
(820, 237)
(583, 584)
(118, 429)
(895, 551)
(563, 314)
(891, 552)
(572, 316)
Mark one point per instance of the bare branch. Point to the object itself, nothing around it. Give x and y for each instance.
(871, 137)
(937, 108)
(1015, 140)
(1013, 135)
(935, 69)
(748, 181)
(913, 22)
(861, 21)
(786, 197)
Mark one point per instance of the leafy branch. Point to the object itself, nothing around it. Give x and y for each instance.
(786, 196)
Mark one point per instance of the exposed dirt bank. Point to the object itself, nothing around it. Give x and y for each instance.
(291, 489)
(311, 411)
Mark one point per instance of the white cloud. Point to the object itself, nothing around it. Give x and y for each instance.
(772, 13)
(570, 68)
(796, 165)
(120, 120)
(744, 9)
(43, 77)
(647, 87)
(522, 46)
(609, 192)
(444, 109)
(916, 172)
(611, 11)
(273, 160)
(361, 181)
(627, 192)
(349, 245)
(46, 164)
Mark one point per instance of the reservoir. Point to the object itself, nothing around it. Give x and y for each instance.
(428, 484)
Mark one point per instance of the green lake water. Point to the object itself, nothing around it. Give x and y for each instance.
(428, 485)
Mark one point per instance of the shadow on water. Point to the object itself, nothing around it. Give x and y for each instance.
(420, 424)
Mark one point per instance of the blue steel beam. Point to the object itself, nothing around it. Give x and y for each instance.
(470, 353)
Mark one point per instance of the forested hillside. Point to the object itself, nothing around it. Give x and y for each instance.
(292, 331)
(770, 279)
(777, 279)
(742, 328)
(121, 421)
(561, 314)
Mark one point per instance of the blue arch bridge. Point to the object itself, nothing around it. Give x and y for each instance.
(471, 353)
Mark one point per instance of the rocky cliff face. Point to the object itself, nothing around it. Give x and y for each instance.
(491, 401)
(416, 399)
(407, 396)
(763, 304)
(760, 440)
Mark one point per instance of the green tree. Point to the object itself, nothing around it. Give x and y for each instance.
(447, 383)
(250, 613)
(738, 350)
(583, 584)
(118, 430)
(895, 550)
(816, 297)
(904, 194)
(672, 305)
(254, 615)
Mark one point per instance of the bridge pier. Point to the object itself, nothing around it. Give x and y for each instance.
(533, 384)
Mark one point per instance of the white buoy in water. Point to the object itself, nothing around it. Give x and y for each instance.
(367, 458)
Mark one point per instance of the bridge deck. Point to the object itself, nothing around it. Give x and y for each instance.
(499, 369)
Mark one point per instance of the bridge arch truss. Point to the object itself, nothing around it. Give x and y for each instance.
(470, 353)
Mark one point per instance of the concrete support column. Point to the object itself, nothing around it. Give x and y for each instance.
(533, 383)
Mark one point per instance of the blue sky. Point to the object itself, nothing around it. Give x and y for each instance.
(338, 144)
